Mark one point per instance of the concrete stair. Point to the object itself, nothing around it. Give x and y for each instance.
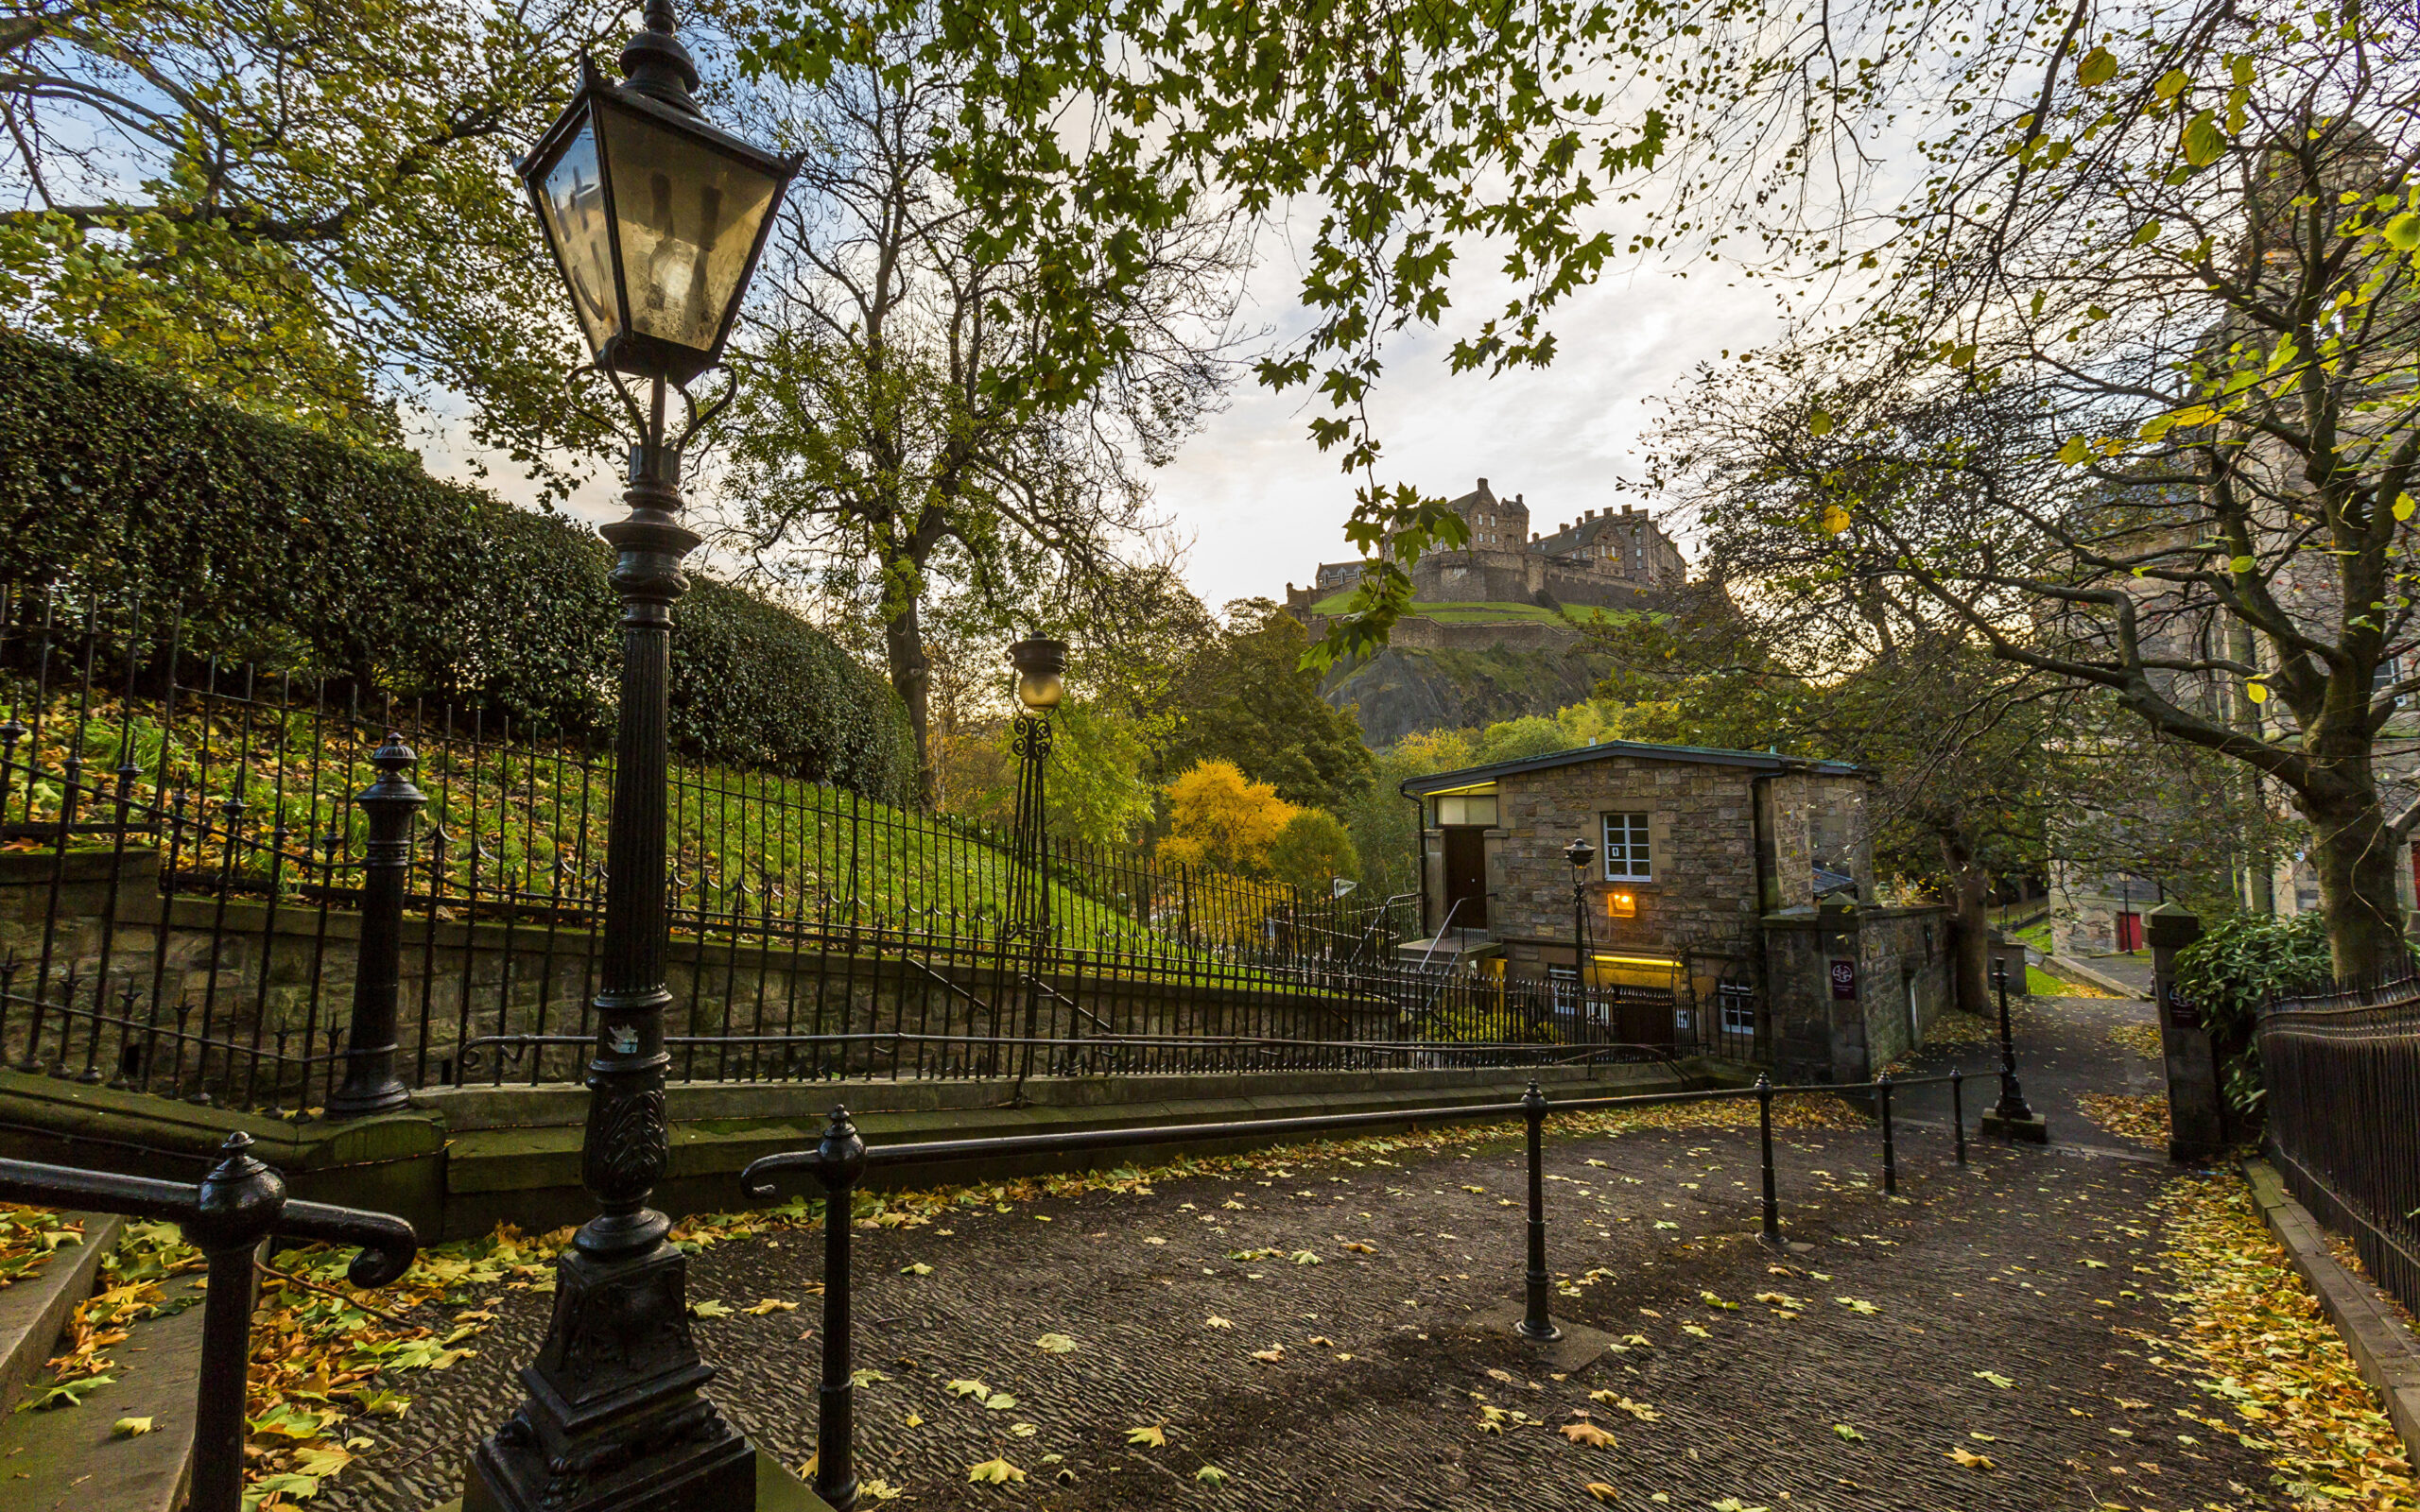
(68, 1458)
(33, 1313)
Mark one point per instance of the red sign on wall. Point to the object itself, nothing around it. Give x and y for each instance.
(1845, 979)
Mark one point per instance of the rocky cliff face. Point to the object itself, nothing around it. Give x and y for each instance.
(1405, 689)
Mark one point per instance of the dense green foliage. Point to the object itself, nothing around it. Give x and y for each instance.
(1244, 698)
(304, 209)
(2236, 970)
(281, 546)
(1311, 852)
(1096, 792)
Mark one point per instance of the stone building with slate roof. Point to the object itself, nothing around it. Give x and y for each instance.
(1730, 905)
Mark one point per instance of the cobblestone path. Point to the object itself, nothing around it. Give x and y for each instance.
(1988, 1342)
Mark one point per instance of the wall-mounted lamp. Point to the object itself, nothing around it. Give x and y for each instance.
(1622, 905)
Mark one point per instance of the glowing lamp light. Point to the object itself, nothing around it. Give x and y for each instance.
(1042, 665)
(655, 219)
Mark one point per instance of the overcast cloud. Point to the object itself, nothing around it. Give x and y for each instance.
(1257, 505)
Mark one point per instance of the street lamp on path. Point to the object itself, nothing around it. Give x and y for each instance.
(655, 219)
(2009, 1118)
(1580, 853)
(1042, 666)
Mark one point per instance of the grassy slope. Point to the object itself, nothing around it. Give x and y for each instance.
(529, 807)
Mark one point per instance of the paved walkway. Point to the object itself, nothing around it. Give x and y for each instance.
(1981, 1344)
(2066, 1049)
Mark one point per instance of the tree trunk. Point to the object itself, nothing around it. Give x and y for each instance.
(912, 677)
(2357, 854)
(2260, 881)
(1971, 932)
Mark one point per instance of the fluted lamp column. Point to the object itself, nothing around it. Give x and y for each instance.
(655, 219)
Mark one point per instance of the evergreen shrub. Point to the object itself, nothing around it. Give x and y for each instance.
(2238, 967)
(281, 546)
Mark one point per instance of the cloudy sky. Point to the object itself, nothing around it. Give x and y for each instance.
(1257, 506)
(1260, 505)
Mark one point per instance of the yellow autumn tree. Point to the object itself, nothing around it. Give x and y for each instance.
(1217, 819)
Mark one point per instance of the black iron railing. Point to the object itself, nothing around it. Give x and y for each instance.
(270, 893)
(239, 1204)
(2341, 1071)
(842, 1159)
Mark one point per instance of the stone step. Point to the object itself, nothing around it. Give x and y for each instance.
(34, 1313)
(68, 1459)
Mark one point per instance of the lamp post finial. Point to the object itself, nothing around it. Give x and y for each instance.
(655, 63)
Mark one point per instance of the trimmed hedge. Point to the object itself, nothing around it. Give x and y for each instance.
(283, 547)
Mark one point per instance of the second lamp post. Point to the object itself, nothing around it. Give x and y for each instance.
(1042, 666)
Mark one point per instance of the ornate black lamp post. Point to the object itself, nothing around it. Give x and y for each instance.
(2009, 1118)
(1580, 853)
(655, 219)
(1042, 665)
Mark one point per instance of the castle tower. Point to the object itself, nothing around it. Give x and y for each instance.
(1496, 525)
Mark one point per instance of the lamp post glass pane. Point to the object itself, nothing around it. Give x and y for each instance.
(573, 202)
(688, 217)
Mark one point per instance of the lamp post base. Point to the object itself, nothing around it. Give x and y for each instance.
(614, 1419)
(2027, 1127)
(777, 1491)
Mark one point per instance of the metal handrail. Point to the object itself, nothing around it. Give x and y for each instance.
(1451, 909)
(1535, 1053)
(842, 1157)
(238, 1205)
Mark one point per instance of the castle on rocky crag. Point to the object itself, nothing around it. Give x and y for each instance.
(1604, 559)
(1491, 634)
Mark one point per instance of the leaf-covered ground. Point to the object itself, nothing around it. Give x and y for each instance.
(1328, 1330)
(2140, 1117)
(2249, 1336)
(28, 1238)
(1327, 1326)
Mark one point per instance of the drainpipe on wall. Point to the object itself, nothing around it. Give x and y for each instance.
(1759, 791)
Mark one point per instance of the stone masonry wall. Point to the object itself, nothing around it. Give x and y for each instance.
(1897, 951)
(1700, 833)
(1811, 818)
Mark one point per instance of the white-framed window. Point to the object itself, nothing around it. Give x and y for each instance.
(1626, 849)
(1466, 808)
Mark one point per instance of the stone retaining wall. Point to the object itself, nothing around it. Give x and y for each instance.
(255, 970)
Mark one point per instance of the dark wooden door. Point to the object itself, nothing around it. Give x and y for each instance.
(1466, 876)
